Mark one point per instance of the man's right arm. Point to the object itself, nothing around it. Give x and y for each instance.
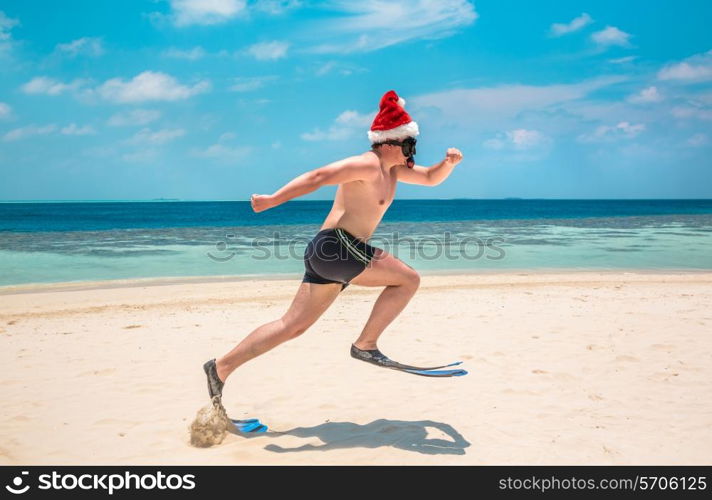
(349, 169)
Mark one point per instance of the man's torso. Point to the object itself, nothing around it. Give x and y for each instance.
(359, 206)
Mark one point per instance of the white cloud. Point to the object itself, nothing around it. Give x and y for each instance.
(697, 68)
(622, 60)
(268, 51)
(333, 134)
(148, 136)
(28, 131)
(610, 36)
(374, 24)
(694, 110)
(33, 130)
(86, 46)
(494, 143)
(188, 54)
(135, 117)
(6, 25)
(630, 130)
(50, 86)
(205, 12)
(342, 68)
(558, 29)
(223, 152)
(646, 95)
(492, 107)
(704, 96)
(248, 83)
(325, 68)
(5, 110)
(149, 86)
(354, 119)
(6, 43)
(344, 126)
(524, 139)
(73, 129)
(698, 140)
(519, 139)
(606, 133)
(276, 7)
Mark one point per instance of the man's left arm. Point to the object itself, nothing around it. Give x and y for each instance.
(431, 176)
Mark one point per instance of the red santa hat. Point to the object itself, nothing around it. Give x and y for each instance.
(392, 122)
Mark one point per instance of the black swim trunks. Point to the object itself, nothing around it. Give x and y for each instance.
(336, 256)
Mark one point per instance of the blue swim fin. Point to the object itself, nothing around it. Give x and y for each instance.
(250, 425)
(438, 373)
(377, 358)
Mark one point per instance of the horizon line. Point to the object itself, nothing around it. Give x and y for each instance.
(180, 200)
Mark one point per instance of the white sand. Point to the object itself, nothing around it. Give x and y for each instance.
(565, 368)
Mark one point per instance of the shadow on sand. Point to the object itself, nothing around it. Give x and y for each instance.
(411, 436)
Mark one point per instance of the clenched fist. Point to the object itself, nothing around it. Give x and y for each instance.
(453, 156)
(261, 202)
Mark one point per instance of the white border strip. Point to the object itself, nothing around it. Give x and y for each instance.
(353, 250)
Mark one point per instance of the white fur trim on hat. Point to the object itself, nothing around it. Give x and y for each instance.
(401, 102)
(401, 132)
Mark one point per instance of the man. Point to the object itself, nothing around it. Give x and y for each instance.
(339, 255)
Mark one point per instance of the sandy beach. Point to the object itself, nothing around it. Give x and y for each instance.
(564, 368)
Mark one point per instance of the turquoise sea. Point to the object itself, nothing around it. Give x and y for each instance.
(47, 242)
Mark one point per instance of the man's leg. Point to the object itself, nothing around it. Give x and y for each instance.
(308, 305)
(401, 282)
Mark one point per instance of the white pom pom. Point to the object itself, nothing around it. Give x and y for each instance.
(401, 102)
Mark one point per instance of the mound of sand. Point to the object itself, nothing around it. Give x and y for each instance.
(210, 425)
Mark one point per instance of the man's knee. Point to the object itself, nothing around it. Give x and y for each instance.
(294, 327)
(411, 279)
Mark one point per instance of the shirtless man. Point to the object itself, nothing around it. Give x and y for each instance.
(339, 255)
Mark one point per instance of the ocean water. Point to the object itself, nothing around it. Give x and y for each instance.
(43, 242)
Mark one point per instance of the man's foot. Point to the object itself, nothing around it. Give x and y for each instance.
(377, 358)
(215, 385)
(372, 356)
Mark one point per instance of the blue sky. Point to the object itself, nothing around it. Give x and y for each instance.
(219, 99)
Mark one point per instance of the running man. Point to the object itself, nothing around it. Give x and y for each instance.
(339, 255)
